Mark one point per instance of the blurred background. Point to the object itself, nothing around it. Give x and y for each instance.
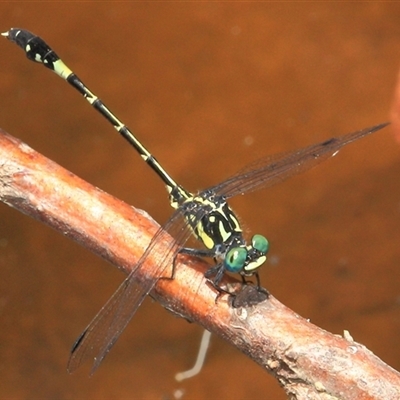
(208, 87)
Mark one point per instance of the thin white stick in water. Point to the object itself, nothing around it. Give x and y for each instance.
(198, 365)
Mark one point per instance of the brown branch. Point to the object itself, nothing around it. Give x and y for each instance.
(307, 361)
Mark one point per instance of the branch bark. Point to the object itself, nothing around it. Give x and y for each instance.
(308, 362)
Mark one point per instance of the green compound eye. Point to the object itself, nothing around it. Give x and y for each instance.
(260, 243)
(235, 259)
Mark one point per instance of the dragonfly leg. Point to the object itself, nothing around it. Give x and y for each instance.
(218, 270)
(197, 252)
(246, 282)
(189, 251)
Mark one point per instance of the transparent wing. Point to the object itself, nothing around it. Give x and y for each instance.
(104, 330)
(273, 169)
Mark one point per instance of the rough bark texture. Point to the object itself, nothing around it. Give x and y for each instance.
(309, 362)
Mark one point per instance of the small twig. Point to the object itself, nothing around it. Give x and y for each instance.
(201, 356)
(308, 362)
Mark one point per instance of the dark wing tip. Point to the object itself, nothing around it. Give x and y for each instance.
(74, 363)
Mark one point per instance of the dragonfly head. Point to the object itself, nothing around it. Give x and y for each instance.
(247, 259)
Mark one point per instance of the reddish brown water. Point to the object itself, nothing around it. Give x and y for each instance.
(208, 87)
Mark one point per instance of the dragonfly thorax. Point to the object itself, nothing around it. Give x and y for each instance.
(215, 224)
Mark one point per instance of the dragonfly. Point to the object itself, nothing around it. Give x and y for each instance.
(206, 215)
